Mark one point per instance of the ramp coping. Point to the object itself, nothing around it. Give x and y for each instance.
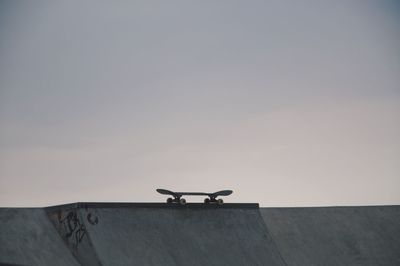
(155, 205)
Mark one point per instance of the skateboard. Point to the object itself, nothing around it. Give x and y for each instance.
(212, 197)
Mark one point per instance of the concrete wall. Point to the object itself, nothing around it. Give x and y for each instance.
(196, 234)
(336, 235)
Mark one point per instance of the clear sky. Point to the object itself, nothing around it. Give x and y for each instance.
(288, 103)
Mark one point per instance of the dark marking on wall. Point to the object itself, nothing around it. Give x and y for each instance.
(74, 227)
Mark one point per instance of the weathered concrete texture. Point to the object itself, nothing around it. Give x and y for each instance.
(182, 236)
(27, 237)
(336, 235)
(68, 220)
(198, 234)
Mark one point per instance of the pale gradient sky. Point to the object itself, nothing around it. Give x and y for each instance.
(288, 103)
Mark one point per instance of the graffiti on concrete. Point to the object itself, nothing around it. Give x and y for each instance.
(74, 227)
(92, 219)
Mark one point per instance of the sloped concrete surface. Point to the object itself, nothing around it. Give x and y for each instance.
(27, 237)
(336, 235)
(197, 234)
(69, 222)
(186, 235)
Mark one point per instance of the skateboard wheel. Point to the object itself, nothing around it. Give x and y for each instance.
(220, 201)
(206, 201)
(169, 200)
(182, 201)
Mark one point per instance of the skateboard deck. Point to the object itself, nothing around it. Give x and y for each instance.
(212, 197)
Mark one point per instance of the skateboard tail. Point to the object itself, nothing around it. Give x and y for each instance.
(223, 193)
(165, 191)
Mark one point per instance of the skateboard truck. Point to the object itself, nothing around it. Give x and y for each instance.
(177, 196)
(179, 200)
(213, 200)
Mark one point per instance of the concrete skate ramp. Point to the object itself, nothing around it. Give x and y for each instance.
(336, 235)
(27, 237)
(195, 234)
(198, 234)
